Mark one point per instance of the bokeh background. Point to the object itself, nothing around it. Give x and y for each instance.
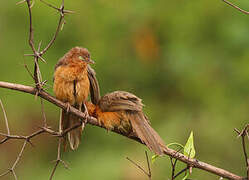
(187, 60)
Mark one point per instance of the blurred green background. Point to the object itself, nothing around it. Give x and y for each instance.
(187, 60)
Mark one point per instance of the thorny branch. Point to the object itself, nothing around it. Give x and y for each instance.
(58, 160)
(12, 169)
(27, 139)
(236, 7)
(37, 54)
(90, 120)
(37, 77)
(243, 134)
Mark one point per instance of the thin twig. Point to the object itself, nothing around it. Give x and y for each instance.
(58, 160)
(243, 133)
(182, 171)
(27, 68)
(19, 155)
(5, 173)
(148, 164)
(12, 169)
(43, 113)
(173, 166)
(61, 21)
(138, 166)
(5, 118)
(236, 7)
(31, 33)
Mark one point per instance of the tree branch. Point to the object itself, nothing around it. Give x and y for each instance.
(236, 7)
(243, 134)
(167, 151)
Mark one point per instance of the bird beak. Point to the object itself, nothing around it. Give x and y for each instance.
(90, 61)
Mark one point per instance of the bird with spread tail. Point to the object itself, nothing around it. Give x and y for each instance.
(123, 110)
(73, 80)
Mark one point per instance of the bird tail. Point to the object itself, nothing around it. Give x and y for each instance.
(69, 120)
(146, 133)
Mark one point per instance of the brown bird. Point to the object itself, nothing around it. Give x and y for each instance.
(123, 110)
(73, 79)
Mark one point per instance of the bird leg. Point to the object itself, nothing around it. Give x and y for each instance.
(85, 112)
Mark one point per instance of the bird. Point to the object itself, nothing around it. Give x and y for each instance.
(124, 111)
(73, 80)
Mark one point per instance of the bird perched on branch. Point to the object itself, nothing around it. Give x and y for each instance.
(123, 110)
(73, 80)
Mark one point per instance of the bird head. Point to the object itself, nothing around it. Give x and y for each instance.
(81, 54)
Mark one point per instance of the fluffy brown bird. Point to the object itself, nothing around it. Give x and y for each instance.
(73, 79)
(123, 110)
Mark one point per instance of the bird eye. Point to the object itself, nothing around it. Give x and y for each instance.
(81, 58)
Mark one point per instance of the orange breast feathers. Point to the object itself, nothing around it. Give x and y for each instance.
(109, 120)
(71, 83)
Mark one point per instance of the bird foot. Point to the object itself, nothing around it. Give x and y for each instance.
(85, 110)
(68, 106)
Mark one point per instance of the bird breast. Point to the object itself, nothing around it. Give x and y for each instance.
(71, 83)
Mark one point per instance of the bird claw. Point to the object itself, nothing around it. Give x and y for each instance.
(85, 111)
(68, 106)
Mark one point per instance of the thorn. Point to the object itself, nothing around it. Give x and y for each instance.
(29, 55)
(43, 60)
(20, 2)
(33, 3)
(69, 12)
(62, 25)
(29, 141)
(50, 5)
(39, 46)
(65, 164)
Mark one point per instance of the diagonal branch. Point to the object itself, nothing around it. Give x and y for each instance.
(12, 169)
(62, 12)
(90, 120)
(236, 7)
(5, 118)
(142, 169)
(243, 134)
(138, 166)
(58, 160)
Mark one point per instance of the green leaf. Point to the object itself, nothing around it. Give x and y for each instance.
(153, 158)
(189, 149)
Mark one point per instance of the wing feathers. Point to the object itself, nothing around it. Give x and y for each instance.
(120, 100)
(146, 133)
(94, 85)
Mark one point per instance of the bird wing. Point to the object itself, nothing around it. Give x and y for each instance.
(61, 62)
(120, 100)
(94, 85)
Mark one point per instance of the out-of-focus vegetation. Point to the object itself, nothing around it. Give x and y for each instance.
(187, 60)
